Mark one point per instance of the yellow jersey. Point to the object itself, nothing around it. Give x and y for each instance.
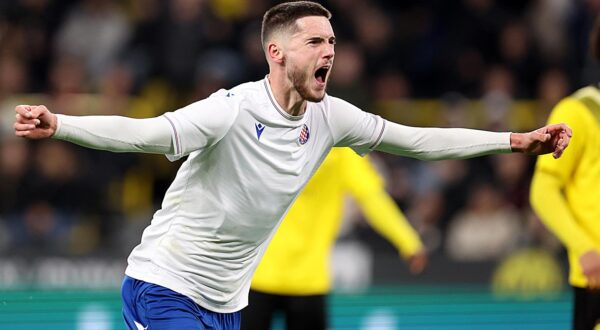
(565, 192)
(297, 259)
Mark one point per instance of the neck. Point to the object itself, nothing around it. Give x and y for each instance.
(286, 95)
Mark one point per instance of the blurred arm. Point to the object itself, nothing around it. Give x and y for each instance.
(379, 208)
(549, 203)
(551, 177)
(387, 219)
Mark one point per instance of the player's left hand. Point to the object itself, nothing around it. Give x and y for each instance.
(417, 262)
(590, 266)
(548, 139)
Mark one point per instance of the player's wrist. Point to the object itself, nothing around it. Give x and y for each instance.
(55, 126)
(516, 142)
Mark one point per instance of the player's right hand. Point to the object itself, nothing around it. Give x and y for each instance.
(34, 122)
(590, 265)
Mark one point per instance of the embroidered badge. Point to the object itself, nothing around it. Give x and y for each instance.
(304, 134)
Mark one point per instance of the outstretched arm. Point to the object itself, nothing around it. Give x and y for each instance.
(112, 133)
(175, 134)
(458, 143)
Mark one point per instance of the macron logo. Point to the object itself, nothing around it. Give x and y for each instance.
(259, 129)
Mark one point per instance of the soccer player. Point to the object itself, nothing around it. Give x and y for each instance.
(250, 150)
(293, 276)
(565, 193)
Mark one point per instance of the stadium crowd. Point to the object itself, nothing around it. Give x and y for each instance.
(486, 64)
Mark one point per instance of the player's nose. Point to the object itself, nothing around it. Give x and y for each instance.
(329, 52)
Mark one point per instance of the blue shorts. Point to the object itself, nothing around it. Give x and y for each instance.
(149, 306)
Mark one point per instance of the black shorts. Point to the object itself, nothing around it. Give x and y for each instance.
(300, 312)
(586, 310)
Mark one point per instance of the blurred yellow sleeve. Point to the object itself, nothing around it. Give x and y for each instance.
(368, 189)
(551, 176)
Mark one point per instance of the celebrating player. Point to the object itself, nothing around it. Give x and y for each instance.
(250, 151)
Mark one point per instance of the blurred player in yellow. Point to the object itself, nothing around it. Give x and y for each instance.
(294, 276)
(566, 195)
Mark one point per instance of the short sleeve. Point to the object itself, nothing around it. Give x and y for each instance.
(202, 124)
(571, 112)
(352, 127)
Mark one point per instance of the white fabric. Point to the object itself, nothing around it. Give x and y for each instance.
(442, 143)
(232, 191)
(117, 134)
(245, 167)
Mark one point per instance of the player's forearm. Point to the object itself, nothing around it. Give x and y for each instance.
(549, 203)
(115, 133)
(442, 143)
(387, 219)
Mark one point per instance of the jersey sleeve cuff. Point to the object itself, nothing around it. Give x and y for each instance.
(60, 132)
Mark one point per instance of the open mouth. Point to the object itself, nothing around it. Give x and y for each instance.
(321, 74)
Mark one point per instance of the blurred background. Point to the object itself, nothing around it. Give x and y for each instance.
(69, 216)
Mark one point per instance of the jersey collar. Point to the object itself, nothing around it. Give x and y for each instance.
(276, 106)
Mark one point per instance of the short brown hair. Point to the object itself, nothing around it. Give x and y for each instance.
(595, 40)
(284, 16)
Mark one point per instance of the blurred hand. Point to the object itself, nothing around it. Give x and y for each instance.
(548, 139)
(417, 262)
(590, 265)
(34, 122)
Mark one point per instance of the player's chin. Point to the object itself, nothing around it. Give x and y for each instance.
(316, 96)
(317, 93)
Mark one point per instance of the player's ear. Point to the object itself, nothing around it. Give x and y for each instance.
(274, 52)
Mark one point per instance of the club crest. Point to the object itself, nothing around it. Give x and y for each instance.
(304, 134)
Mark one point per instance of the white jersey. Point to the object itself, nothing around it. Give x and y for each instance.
(229, 196)
(248, 160)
